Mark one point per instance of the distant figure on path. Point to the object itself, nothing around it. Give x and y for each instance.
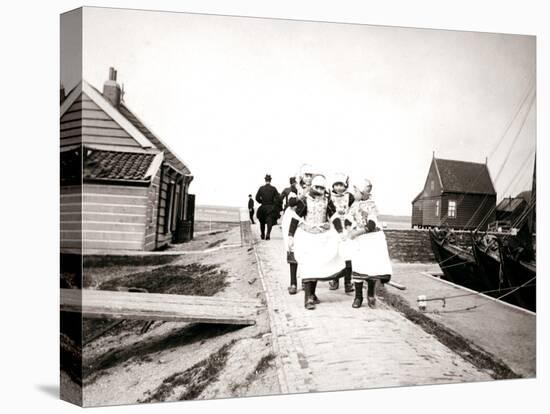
(268, 212)
(251, 208)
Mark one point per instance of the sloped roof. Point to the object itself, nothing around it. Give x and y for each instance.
(85, 89)
(88, 163)
(128, 120)
(115, 165)
(464, 177)
(418, 196)
(509, 205)
(170, 157)
(525, 195)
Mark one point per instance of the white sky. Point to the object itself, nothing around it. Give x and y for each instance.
(236, 98)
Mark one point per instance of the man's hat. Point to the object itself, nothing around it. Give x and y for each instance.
(292, 180)
(267, 177)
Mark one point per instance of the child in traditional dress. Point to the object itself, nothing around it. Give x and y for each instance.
(369, 255)
(314, 241)
(304, 178)
(342, 200)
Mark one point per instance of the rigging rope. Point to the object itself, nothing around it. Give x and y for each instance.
(516, 137)
(511, 183)
(444, 298)
(524, 163)
(530, 87)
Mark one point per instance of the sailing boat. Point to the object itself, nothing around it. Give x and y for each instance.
(458, 264)
(518, 256)
(509, 260)
(501, 264)
(522, 268)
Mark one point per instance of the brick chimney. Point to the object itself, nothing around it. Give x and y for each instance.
(111, 89)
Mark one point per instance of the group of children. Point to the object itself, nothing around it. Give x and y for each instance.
(333, 233)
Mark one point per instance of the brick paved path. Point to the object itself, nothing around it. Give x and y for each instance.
(336, 347)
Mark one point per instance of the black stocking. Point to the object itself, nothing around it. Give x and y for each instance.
(371, 284)
(293, 272)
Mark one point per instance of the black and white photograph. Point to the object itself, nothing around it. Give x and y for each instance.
(274, 206)
(252, 207)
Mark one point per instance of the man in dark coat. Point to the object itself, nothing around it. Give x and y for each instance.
(251, 208)
(268, 212)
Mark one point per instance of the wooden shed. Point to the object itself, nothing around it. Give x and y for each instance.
(510, 209)
(122, 188)
(456, 194)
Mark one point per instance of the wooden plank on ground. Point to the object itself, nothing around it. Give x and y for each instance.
(155, 306)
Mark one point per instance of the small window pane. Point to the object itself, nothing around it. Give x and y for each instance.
(452, 209)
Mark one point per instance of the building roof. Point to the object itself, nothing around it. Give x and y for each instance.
(108, 165)
(464, 177)
(418, 196)
(170, 157)
(115, 165)
(128, 121)
(525, 195)
(509, 205)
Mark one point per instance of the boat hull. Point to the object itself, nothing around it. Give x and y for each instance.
(489, 268)
(458, 265)
(521, 273)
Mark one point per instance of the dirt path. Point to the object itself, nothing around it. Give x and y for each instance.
(336, 347)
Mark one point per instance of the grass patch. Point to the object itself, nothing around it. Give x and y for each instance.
(452, 340)
(145, 259)
(71, 358)
(194, 380)
(192, 279)
(92, 326)
(263, 364)
(144, 349)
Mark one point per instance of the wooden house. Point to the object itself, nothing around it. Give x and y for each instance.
(122, 188)
(510, 209)
(456, 194)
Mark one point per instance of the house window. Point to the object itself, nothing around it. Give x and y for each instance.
(451, 212)
(432, 185)
(437, 208)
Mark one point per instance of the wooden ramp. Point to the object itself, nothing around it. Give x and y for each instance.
(163, 307)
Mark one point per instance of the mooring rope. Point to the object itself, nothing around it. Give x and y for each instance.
(445, 298)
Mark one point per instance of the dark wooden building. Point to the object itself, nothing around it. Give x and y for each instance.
(122, 188)
(456, 194)
(510, 209)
